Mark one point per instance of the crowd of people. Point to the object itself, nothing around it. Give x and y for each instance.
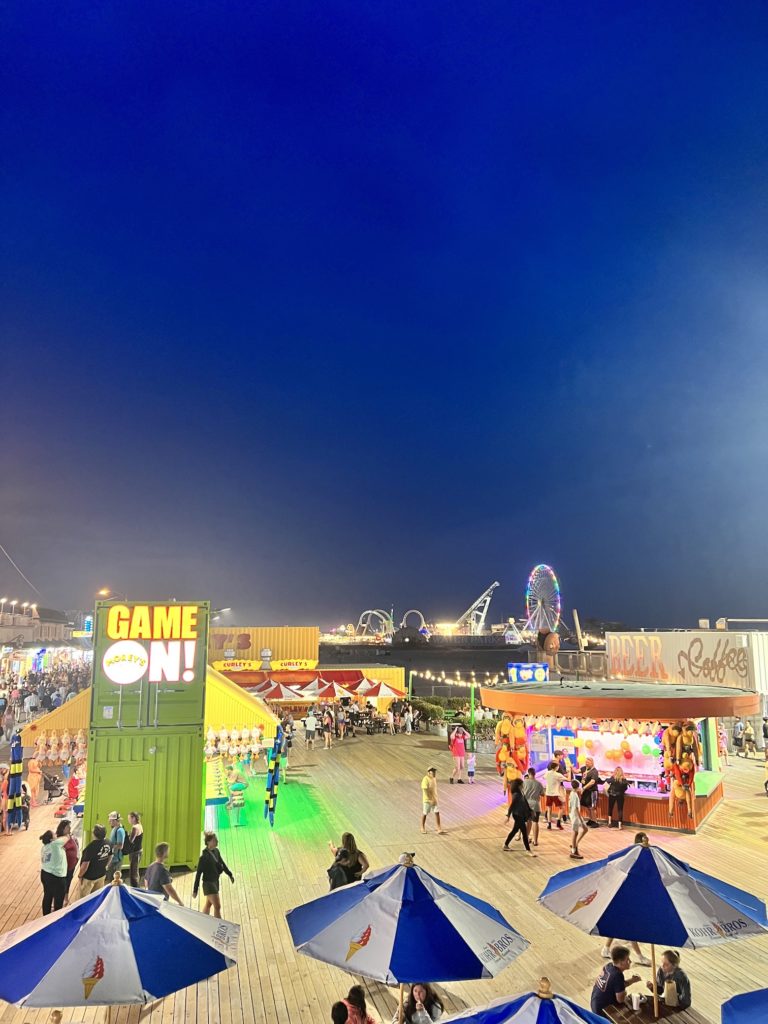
(37, 693)
(337, 721)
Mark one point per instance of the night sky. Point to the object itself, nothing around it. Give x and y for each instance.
(308, 308)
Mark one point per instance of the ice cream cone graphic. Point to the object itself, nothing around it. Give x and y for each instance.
(93, 976)
(357, 944)
(583, 902)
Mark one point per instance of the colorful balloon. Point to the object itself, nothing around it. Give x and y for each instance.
(628, 755)
(625, 745)
(646, 749)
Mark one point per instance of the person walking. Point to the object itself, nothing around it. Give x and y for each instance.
(520, 813)
(133, 846)
(722, 742)
(408, 720)
(34, 779)
(750, 747)
(72, 851)
(310, 728)
(210, 868)
(9, 723)
(429, 800)
(390, 721)
(533, 791)
(53, 871)
(590, 780)
(457, 744)
(94, 862)
(618, 785)
(116, 842)
(738, 734)
(329, 725)
(157, 877)
(554, 794)
(578, 825)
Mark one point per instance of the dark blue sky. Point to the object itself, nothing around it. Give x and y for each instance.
(312, 307)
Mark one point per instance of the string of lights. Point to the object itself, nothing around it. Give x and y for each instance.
(446, 679)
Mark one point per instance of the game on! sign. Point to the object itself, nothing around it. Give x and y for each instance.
(150, 662)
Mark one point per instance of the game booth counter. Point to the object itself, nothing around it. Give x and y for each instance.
(663, 736)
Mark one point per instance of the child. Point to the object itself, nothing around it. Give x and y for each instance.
(471, 768)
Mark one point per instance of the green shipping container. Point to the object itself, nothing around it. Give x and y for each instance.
(157, 772)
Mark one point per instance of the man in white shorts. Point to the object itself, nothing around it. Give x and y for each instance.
(429, 800)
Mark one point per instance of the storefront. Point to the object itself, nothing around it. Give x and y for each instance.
(674, 774)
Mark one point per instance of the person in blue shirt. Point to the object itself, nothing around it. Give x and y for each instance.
(610, 988)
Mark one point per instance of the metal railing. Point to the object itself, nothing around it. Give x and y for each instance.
(581, 664)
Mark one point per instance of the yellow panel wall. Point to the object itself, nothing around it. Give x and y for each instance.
(247, 642)
(392, 675)
(72, 716)
(228, 705)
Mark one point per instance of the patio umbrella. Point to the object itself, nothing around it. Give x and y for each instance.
(279, 691)
(401, 925)
(540, 1007)
(747, 1008)
(333, 691)
(381, 690)
(645, 894)
(117, 946)
(311, 688)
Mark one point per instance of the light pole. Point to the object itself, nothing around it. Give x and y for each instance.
(111, 595)
(411, 674)
(3, 601)
(13, 606)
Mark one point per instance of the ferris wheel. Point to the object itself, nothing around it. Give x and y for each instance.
(542, 600)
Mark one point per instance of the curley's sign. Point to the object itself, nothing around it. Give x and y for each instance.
(690, 657)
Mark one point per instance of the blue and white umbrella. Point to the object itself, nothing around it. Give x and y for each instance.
(117, 946)
(746, 1009)
(647, 895)
(542, 1007)
(401, 925)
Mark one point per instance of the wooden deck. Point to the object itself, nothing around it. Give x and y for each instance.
(370, 786)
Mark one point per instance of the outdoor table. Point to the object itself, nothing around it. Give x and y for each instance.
(626, 1015)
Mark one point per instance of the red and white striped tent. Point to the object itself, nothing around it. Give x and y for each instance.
(380, 690)
(279, 691)
(332, 691)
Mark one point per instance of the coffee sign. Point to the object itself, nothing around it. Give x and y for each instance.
(687, 657)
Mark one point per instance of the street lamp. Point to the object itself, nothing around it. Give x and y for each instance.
(216, 613)
(13, 606)
(3, 601)
(111, 595)
(24, 607)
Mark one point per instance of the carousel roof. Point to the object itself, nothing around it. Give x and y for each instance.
(605, 698)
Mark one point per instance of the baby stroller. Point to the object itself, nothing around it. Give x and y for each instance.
(52, 785)
(25, 802)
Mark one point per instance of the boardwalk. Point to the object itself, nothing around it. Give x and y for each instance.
(371, 786)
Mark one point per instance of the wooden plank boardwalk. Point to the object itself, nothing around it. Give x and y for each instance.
(370, 786)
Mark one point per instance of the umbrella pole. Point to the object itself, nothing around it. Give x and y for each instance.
(653, 982)
(400, 1010)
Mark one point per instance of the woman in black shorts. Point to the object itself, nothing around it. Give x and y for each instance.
(210, 867)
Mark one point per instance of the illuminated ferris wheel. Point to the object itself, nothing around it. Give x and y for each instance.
(542, 600)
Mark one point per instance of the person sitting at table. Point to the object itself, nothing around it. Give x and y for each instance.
(610, 988)
(671, 973)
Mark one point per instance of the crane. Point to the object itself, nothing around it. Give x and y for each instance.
(474, 616)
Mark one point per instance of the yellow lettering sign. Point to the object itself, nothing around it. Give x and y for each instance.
(152, 622)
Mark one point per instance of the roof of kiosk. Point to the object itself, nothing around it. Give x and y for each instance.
(600, 698)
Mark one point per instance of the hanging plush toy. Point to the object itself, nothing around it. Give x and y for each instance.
(682, 786)
(503, 736)
(688, 744)
(519, 746)
(669, 744)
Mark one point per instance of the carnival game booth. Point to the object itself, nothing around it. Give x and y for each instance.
(663, 737)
